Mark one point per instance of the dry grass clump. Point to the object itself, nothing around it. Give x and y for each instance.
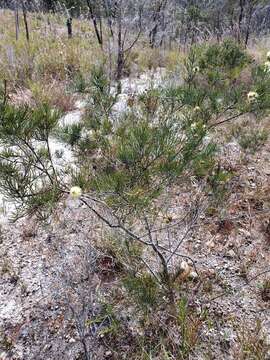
(55, 94)
(252, 343)
(259, 48)
(145, 58)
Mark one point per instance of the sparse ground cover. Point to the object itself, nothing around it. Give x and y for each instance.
(228, 312)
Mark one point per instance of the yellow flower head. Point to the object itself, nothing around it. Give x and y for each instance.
(268, 55)
(75, 192)
(252, 96)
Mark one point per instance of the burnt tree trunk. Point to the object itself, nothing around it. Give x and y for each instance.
(98, 29)
(17, 26)
(69, 27)
(25, 20)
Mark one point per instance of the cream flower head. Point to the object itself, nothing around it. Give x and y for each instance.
(184, 266)
(252, 96)
(197, 109)
(267, 66)
(193, 275)
(75, 192)
(268, 55)
(196, 69)
(219, 100)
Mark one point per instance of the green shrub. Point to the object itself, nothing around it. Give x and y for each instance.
(228, 55)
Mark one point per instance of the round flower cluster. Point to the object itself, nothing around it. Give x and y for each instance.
(252, 96)
(75, 192)
(197, 125)
(186, 271)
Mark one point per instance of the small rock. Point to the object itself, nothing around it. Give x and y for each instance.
(230, 254)
(210, 244)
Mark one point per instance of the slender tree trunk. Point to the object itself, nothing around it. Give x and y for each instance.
(25, 20)
(218, 27)
(94, 20)
(120, 51)
(153, 35)
(69, 27)
(109, 17)
(232, 22)
(17, 26)
(100, 29)
(241, 15)
(249, 24)
(156, 18)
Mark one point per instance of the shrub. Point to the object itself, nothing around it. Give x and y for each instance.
(125, 166)
(227, 56)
